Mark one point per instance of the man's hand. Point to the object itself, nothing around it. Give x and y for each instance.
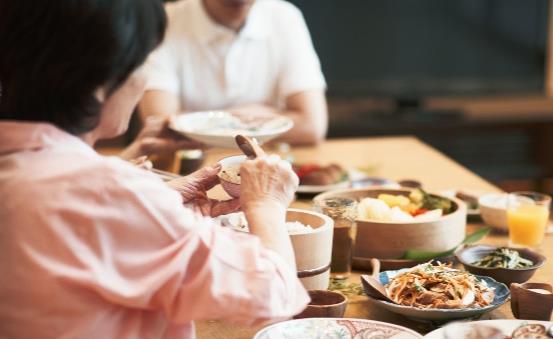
(156, 138)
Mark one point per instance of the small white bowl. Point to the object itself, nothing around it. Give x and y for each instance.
(231, 188)
(493, 209)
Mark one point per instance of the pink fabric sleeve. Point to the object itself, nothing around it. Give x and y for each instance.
(140, 248)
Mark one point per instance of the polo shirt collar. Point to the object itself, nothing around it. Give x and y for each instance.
(208, 30)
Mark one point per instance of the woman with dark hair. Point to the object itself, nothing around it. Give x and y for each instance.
(93, 247)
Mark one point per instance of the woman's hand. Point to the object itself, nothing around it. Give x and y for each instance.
(267, 188)
(267, 180)
(156, 138)
(193, 189)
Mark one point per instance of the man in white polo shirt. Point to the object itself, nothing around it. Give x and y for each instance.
(248, 56)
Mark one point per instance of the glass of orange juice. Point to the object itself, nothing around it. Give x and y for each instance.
(527, 217)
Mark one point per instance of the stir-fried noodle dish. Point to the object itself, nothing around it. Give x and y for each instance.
(439, 286)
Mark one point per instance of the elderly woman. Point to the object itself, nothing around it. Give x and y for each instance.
(92, 247)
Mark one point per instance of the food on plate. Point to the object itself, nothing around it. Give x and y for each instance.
(418, 206)
(439, 286)
(230, 173)
(503, 257)
(238, 222)
(227, 123)
(530, 331)
(318, 175)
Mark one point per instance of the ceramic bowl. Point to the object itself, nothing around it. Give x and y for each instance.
(502, 295)
(390, 240)
(468, 255)
(493, 210)
(324, 304)
(232, 189)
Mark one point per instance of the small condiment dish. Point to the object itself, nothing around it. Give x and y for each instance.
(324, 304)
(532, 301)
(468, 255)
(232, 188)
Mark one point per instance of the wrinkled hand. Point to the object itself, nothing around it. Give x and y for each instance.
(193, 189)
(267, 179)
(156, 138)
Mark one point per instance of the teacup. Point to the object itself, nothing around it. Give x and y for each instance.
(532, 301)
(324, 304)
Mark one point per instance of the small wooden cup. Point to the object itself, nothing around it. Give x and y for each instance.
(526, 303)
(324, 304)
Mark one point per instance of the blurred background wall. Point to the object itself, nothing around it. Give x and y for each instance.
(470, 77)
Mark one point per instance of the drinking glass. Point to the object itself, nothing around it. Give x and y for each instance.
(343, 211)
(527, 218)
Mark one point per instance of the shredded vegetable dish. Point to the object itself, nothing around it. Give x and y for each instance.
(439, 286)
(504, 258)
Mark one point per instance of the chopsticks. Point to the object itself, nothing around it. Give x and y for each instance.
(164, 175)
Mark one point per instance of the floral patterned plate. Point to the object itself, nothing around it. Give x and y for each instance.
(335, 328)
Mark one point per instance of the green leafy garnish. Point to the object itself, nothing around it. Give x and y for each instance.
(427, 255)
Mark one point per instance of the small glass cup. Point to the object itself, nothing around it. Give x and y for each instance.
(343, 211)
(527, 218)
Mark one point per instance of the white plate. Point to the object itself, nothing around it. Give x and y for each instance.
(506, 326)
(335, 328)
(355, 178)
(218, 128)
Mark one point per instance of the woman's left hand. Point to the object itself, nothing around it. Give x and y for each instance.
(193, 189)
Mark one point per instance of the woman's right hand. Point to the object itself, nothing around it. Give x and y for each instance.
(267, 180)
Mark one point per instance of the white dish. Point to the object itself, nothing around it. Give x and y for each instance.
(335, 328)
(506, 326)
(493, 208)
(355, 178)
(218, 128)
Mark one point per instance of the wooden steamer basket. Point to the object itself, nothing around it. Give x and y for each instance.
(313, 250)
(390, 240)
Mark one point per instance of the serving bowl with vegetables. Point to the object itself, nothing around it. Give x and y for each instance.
(391, 222)
(504, 264)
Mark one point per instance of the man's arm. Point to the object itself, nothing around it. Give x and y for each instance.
(158, 103)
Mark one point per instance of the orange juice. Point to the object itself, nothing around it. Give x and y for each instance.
(527, 224)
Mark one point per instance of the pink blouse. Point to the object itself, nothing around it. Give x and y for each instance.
(92, 247)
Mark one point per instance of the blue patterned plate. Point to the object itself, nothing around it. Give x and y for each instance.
(501, 291)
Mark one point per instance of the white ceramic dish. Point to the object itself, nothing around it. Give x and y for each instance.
(232, 189)
(218, 128)
(335, 328)
(507, 327)
(493, 209)
(502, 295)
(355, 179)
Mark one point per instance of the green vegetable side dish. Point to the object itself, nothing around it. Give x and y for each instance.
(431, 202)
(503, 258)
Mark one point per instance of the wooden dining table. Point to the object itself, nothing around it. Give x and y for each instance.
(394, 158)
